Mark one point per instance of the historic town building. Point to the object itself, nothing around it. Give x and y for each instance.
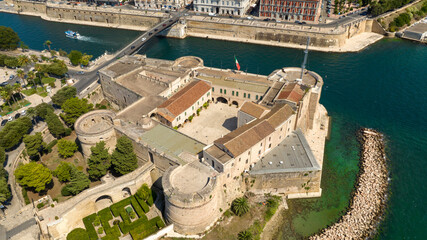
(222, 7)
(306, 10)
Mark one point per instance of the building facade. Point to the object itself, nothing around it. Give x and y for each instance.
(222, 7)
(307, 10)
(161, 4)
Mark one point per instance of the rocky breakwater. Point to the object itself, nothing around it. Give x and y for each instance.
(370, 195)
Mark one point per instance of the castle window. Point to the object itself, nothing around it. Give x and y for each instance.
(220, 90)
(249, 95)
(244, 95)
(269, 146)
(247, 160)
(237, 94)
(228, 175)
(232, 93)
(213, 90)
(225, 91)
(256, 97)
(259, 152)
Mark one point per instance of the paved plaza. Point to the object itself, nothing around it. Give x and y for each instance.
(214, 122)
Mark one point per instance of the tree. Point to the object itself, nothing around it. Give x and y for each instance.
(4, 190)
(55, 126)
(63, 95)
(63, 171)
(62, 53)
(78, 234)
(33, 175)
(9, 39)
(75, 57)
(245, 235)
(31, 76)
(23, 60)
(34, 58)
(34, 144)
(2, 156)
(85, 59)
(123, 158)
(47, 43)
(79, 182)
(24, 46)
(43, 110)
(99, 161)
(66, 148)
(74, 108)
(11, 62)
(14, 131)
(240, 206)
(143, 192)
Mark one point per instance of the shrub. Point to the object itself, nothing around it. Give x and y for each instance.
(40, 205)
(129, 210)
(87, 221)
(116, 222)
(190, 118)
(65, 192)
(51, 145)
(52, 205)
(25, 195)
(105, 216)
(198, 111)
(78, 234)
(143, 192)
(145, 229)
(100, 230)
(97, 222)
(116, 208)
(132, 215)
(56, 217)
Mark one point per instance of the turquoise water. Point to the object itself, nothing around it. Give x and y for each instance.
(383, 87)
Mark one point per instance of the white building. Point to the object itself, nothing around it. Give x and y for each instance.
(161, 4)
(222, 7)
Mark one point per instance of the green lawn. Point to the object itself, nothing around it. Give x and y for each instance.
(5, 109)
(48, 80)
(40, 91)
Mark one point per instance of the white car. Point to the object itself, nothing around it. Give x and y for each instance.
(23, 112)
(250, 18)
(10, 119)
(143, 39)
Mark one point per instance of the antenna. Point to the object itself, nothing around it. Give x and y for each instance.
(305, 58)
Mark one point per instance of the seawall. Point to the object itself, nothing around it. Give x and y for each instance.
(370, 196)
(330, 39)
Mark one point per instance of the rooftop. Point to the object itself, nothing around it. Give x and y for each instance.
(141, 85)
(253, 109)
(183, 99)
(191, 178)
(138, 109)
(123, 66)
(172, 143)
(291, 92)
(239, 80)
(293, 154)
(291, 74)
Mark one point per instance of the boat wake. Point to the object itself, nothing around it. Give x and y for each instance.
(87, 39)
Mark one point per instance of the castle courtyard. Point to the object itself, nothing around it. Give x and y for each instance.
(214, 122)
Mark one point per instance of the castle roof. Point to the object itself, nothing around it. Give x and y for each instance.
(292, 92)
(183, 99)
(253, 109)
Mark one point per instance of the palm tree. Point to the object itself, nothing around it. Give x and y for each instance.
(245, 235)
(5, 95)
(240, 206)
(48, 43)
(23, 60)
(21, 74)
(34, 58)
(31, 76)
(18, 89)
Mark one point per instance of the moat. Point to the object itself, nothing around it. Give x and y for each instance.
(380, 87)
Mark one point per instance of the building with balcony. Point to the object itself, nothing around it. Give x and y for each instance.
(283, 10)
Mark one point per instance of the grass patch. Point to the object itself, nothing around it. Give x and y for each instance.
(40, 91)
(6, 109)
(48, 80)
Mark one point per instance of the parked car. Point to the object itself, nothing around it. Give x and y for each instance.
(132, 47)
(143, 39)
(164, 24)
(3, 84)
(23, 112)
(11, 77)
(250, 18)
(81, 72)
(17, 115)
(10, 119)
(4, 122)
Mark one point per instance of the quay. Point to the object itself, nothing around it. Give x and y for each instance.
(370, 196)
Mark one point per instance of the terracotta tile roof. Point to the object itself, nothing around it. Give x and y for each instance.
(253, 109)
(246, 136)
(183, 99)
(279, 114)
(292, 92)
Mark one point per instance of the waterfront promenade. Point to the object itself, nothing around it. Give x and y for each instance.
(370, 195)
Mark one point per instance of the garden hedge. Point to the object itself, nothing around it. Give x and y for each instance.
(105, 216)
(142, 204)
(142, 231)
(78, 234)
(89, 226)
(116, 208)
(136, 206)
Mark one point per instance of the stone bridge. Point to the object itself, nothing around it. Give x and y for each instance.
(56, 222)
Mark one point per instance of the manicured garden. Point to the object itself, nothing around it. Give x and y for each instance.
(122, 218)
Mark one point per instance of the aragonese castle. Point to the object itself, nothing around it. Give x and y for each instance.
(203, 137)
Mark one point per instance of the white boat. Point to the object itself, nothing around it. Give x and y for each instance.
(71, 34)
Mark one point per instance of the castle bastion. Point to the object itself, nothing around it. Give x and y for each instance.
(191, 197)
(93, 127)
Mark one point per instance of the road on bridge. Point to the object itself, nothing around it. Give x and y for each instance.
(87, 78)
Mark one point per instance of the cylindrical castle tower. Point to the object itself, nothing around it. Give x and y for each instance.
(93, 127)
(191, 198)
